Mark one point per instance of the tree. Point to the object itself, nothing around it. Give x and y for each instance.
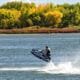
(12, 5)
(53, 18)
(9, 18)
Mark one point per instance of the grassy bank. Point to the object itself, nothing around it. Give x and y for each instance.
(38, 30)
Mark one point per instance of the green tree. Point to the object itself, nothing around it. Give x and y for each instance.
(12, 5)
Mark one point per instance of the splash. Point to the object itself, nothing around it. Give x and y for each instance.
(61, 68)
(65, 68)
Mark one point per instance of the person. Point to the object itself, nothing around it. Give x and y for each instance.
(47, 50)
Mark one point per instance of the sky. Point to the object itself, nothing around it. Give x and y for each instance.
(43, 1)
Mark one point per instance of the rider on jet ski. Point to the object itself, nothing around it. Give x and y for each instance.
(47, 52)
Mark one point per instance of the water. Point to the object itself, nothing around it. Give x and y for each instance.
(17, 63)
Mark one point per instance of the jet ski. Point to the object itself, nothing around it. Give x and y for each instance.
(40, 54)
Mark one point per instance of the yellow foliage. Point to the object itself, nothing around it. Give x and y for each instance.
(32, 10)
(10, 13)
(57, 14)
(54, 15)
(40, 7)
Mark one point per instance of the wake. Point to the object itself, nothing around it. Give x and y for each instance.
(64, 68)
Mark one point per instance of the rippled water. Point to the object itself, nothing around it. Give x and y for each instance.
(17, 63)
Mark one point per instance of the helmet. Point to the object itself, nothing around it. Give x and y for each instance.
(46, 46)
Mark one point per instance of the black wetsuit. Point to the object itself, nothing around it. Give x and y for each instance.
(48, 54)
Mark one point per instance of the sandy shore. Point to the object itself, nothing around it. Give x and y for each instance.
(38, 30)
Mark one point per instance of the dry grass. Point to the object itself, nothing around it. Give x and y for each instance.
(38, 30)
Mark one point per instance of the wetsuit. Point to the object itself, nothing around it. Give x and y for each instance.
(48, 54)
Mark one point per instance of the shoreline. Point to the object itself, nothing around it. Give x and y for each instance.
(38, 30)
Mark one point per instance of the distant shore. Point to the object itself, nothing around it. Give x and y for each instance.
(38, 30)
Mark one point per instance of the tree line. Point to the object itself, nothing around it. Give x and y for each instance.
(20, 15)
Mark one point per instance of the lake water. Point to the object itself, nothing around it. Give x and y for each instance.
(17, 63)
